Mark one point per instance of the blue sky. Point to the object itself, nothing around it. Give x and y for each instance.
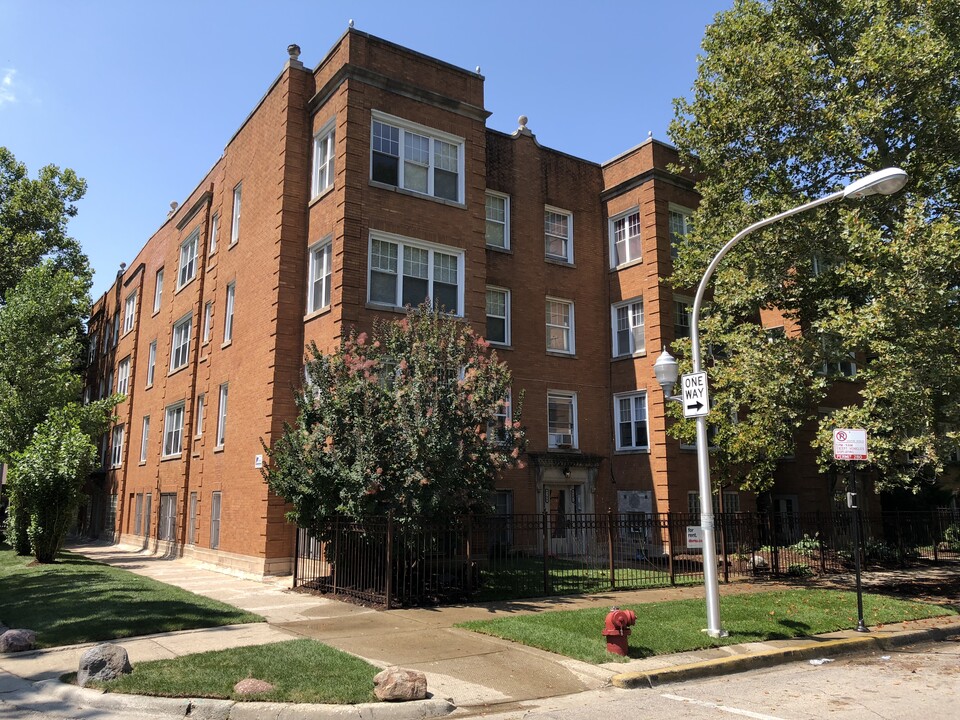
(140, 98)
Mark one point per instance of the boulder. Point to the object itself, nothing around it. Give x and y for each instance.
(105, 661)
(398, 685)
(252, 686)
(17, 640)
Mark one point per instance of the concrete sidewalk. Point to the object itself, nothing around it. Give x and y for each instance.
(474, 672)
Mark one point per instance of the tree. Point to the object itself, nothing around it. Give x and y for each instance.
(404, 422)
(794, 98)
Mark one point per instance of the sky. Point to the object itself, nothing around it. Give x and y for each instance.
(140, 98)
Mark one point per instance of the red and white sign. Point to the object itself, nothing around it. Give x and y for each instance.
(849, 444)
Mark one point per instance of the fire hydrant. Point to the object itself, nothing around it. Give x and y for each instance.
(617, 629)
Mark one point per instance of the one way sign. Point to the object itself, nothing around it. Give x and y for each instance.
(696, 399)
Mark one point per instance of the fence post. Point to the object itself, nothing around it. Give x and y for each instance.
(936, 537)
(546, 552)
(613, 577)
(673, 572)
(389, 563)
(296, 556)
(469, 555)
(336, 552)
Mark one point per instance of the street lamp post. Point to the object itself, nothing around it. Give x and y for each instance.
(882, 182)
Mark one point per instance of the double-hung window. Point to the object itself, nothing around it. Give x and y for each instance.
(215, 500)
(498, 430)
(207, 320)
(235, 226)
(173, 430)
(228, 312)
(180, 349)
(222, 416)
(498, 315)
(318, 287)
(631, 421)
(214, 232)
(129, 312)
(560, 337)
(837, 361)
(680, 226)
(405, 272)
(416, 158)
(116, 329)
(158, 291)
(200, 410)
(561, 419)
(628, 335)
(558, 234)
(92, 353)
(324, 151)
(682, 312)
(625, 238)
(151, 362)
(123, 376)
(168, 517)
(144, 438)
(498, 220)
(116, 447)
(188, 259)
(192, 526)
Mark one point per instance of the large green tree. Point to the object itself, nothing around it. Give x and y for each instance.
(409, 421)
(793, 99)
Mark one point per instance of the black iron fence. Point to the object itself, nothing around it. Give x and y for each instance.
(504, 557)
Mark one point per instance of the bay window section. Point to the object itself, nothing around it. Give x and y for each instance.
(405, 272)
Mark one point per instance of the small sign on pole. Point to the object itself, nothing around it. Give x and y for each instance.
(694, 537)
(696, 397)
(849, 444)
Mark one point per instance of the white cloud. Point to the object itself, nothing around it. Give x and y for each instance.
(7, 94)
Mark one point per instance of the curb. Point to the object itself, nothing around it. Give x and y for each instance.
(811, 649)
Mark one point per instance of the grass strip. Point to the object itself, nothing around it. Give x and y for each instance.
(675, 626)
(302, 671)
(78, 600)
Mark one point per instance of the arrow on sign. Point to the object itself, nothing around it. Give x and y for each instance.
(695, 407)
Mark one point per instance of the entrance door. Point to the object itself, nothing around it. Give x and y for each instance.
(564, 506)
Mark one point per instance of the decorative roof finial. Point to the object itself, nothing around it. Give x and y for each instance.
(522, 120)
(294, 51)
(350, 24)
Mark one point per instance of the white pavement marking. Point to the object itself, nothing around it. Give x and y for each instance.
(724, 708)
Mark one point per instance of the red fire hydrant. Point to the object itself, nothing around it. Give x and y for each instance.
(617, 629)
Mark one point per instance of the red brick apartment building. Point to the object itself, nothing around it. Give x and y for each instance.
(350, 191)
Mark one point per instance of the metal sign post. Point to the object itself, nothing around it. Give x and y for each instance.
(851, 444)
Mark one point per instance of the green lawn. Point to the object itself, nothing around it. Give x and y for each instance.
(77, 600)
(675, 626)
(302, 671)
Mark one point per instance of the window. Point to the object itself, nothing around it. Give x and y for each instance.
(561, 420)
(235, 227)
(560, 326)
(151, 362)
(558, 234)
(138, 514)
(144, 438)
(92, 354)
(201, 407)
(129, 312)
(158, 291)
(631, 421)
(192, 522)
(416, 158)
(180, 350)
(222, 415)
(173, 430)
(168, 517)
(116, 447)
(324, 152)
(207, 320)
(503, 417)
(628, 333)
(214, 232)
(318, 287)
(498, 220)
(123, 376)
(228, 313)
(625, 238)
(498, 315)
(110, 383)
(116, 329)
(682, 312)
(188, 259)
(147, 513)
(428, 271)
(837, 361)
(680, 227)
(215, 520)
(775, 333)
(731, 502)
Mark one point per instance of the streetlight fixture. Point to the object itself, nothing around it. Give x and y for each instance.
(882, 182)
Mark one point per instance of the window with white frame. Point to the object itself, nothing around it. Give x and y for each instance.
(731, 502)
(680, 226)
(180, 348)
(129, 312)
(324, 151)
(836, 360)
(215, 500)
(168, 517)
(151, 362)
(682, 312)
(560, 332)
(207, 320)
(116, 447)
(192, 521)
(628, 331)
(214, 233)
(416, 158)
(561, 419)
(110, 383)
(631, 421)
(123, 376)
(92, 351)
(158, 290)
(228, 312)
(188, 259)
(173, 430)
(625, 238)
(558, 234)
(235, 223)
(498, 315)
(498, 430)
(222, 415)
(200, 410)
(144, 438)
(407, 272)
(318, 287)
(498, 220)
